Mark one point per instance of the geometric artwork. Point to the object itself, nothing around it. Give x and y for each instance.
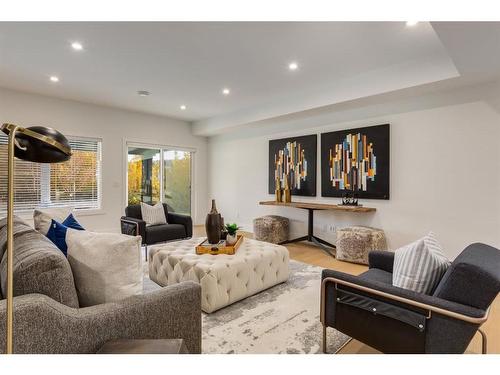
(356, 160)
(294, 159)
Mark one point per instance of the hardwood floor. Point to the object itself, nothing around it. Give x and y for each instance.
(311, 254)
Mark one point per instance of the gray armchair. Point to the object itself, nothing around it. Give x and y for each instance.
(395, 320)
(47, 316)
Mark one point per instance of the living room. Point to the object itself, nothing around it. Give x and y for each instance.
(280, 186)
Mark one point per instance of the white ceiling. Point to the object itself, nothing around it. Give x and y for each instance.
(190, 63)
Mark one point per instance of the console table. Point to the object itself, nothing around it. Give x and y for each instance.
(311, 207)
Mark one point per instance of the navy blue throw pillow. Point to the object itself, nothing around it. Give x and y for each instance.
(57, 234)
(71, 222)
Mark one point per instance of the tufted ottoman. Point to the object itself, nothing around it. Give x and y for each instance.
(354, 243)
(224, 279)
(271, 228)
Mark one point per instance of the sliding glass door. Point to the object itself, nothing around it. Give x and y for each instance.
(177, 180)
(143, 175)
(157, 174)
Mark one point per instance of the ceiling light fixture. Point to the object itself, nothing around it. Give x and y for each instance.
(77, 46)
(183, 107)
(293, 66)
(226, 91)
(411, 23)
(54, 79)
(143, 93)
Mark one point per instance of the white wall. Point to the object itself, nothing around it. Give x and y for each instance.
(114, 127)
(445, 177)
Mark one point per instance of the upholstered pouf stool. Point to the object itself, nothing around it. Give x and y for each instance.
(354, 243)
(271, 228)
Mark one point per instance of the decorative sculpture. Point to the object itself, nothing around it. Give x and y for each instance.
(350, 198)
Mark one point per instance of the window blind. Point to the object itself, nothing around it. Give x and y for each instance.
(75, 183)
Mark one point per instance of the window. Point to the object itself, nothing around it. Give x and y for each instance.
(156, 174)
(75, 183)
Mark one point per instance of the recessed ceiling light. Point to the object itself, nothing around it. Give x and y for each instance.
(411, 23)
(293, 66)
(143, 93)
(183, 107)
(77, 46)
(54, 79)
(226, 91)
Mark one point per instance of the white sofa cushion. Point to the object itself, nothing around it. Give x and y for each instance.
(106, 267)
(224, 279)
(153, 215)
(420, 265)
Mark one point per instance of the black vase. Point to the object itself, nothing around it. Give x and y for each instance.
(213, 225)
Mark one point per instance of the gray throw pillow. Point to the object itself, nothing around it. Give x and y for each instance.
(420, 265)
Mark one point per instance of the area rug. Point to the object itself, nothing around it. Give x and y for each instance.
(283, 319)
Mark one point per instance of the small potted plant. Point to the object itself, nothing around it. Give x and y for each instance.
(231, 233)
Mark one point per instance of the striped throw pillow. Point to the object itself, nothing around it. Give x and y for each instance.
(420, 265)
(153, 215)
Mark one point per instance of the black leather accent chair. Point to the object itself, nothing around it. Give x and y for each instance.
(370, 309)
(178, 226)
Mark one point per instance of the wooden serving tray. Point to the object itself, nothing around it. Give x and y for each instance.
(221, 248)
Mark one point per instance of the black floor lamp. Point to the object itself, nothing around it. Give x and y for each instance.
(37, 144)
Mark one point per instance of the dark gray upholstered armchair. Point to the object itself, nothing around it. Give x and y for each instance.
(370, 309)
(178, 226)
(48, 318)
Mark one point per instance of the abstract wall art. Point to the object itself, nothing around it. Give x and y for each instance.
(294, 158)
(356, 161)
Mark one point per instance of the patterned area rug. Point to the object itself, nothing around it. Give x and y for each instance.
(282, 319)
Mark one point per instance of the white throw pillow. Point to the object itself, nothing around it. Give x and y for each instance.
(153, 215)
(420, 265)
(43, 218)
(106, 267)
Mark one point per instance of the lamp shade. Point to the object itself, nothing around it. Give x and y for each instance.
(41, 145)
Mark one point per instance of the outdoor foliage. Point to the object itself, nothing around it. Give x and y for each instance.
(177, 188)
(64, 185)
(177, 181)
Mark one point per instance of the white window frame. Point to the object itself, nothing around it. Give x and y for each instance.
(153, 146)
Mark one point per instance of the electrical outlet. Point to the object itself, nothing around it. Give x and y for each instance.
(331, 228)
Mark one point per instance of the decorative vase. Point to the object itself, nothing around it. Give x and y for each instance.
(213, 225)
(223, 234)
(287, 193)
(231, 239)
(277, 190)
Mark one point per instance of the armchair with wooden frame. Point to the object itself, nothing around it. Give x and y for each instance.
(370, 309)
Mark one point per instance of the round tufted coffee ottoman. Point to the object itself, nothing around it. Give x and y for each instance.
(354, 243)
(271, 228)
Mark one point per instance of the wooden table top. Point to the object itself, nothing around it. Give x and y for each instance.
(319, 206)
